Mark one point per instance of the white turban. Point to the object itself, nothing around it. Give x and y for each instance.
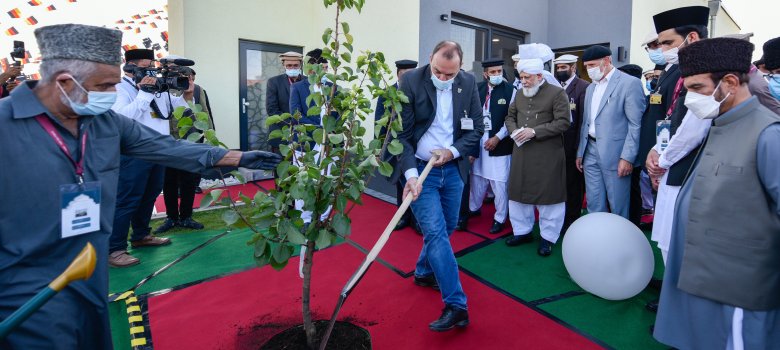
(530, 66)
(535, 50)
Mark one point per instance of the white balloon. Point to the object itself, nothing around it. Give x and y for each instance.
(608, 256)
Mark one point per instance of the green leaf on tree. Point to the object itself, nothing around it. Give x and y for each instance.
(341, 224)
(230, 217)
(395, 147)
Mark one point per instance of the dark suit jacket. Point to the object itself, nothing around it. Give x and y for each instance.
(298, 94)
(419, 113)
(654, 113)
(571, 138)
(277, 100)
(498, 111)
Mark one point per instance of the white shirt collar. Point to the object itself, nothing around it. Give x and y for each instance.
(568, 82)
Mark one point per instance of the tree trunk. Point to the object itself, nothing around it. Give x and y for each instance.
(308, 325)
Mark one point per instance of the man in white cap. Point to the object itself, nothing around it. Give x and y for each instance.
(277, 94)
(536, 122)
(62, 132)
(566, 74)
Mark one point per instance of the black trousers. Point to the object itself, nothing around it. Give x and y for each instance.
(179, 184)
(575, 191)
(399, 198)
(635, 200)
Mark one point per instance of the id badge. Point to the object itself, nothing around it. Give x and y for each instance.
(656, 98)
(663, 133)
(572, 106)
(466, 124)
(80, 208)
(488, 123)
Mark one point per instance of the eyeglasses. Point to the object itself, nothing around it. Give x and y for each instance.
(652, 46)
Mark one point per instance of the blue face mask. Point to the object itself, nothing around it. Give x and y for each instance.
(292, 73)
(324, 80)
(441, 85)
(774, 86)
(648, 86)
(97, 102)
(495, 80)
(657, 56)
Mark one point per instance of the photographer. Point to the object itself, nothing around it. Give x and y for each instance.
(180, 184)
(140, 182)
(8, 80)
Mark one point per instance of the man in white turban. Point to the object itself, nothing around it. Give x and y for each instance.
(537, 119)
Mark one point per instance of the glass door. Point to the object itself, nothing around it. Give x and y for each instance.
(258, 62)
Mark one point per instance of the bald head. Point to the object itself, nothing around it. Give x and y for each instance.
(446, 60)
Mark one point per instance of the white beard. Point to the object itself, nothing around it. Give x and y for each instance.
(531, 91)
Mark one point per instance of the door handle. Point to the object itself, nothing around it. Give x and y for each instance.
(244, 103)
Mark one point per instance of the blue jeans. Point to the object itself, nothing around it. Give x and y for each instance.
(140, 182)
(436, 210)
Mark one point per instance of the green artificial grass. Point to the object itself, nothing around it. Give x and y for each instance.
(623, 324)
(120, 328)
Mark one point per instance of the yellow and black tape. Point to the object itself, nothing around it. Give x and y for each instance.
(135, 319)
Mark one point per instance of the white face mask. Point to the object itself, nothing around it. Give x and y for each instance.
(671, 55)
(704, 106)
(595, 73)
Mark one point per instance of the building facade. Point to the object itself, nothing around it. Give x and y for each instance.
(236, 44)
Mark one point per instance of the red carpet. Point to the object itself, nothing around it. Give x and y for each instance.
(403, 248)
(247, 189)
(243, 310)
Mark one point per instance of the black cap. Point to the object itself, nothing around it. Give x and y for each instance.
(139, 54)
(405, 64)
(493, 62)
(595, 52)
(716, 55)
(772, 54)
(660, 67)
(632, 70)
(315, 56)
(683, 16)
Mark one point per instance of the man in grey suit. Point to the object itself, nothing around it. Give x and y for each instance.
(443, 117)
(609, 136)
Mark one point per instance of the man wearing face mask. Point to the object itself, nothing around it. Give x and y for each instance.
(443, 117)
(62, 131)
(609, 137)
(491, 168)
(277, 95)
(772, 65)
(536, 121)
(722, 287)
(140, 182)
(566, 73)
(678, 135)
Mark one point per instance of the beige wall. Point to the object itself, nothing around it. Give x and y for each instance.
(208, 32)
(642, 24)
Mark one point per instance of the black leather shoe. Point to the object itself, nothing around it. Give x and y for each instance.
(655, 283)
(426, 281)
(477, 212)
(497, 227)
(401, 224)
(463, 223)
(489, 199)
(198, 189)
(518, 240)
(545, 248)
(168, 225)
(450, 318)
(191, 224)
(652, 306)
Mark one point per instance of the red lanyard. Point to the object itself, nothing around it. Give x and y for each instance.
(487, 99)
(677, 89)
(49, 127)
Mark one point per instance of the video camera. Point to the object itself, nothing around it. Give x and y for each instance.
(18, 52)
(168, 77)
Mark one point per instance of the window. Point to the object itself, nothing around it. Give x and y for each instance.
(483, 40)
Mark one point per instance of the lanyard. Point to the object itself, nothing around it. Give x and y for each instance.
(487, 99)
(49, 127)
(677, 89)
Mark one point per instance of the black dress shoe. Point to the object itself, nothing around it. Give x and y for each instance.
(450, 318)
(198, 189)
(652, 306)
(477, 212)
(401, 224)
(462, 224)
(497, 227)
(655, 283)
(489, 199)
(518, 240)
(426, 281)
(167, 226)
(191, 224)
(545, 248)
